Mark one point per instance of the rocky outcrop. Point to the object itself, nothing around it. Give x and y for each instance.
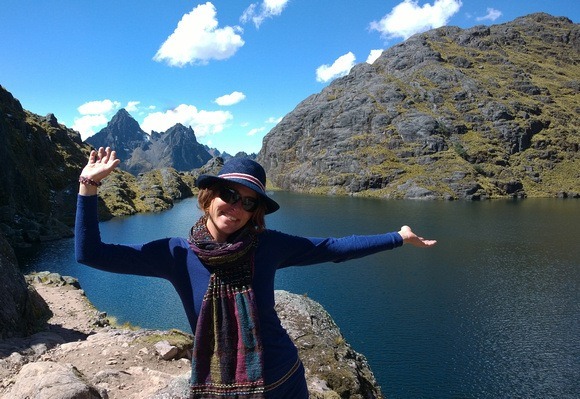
(22, 310)
(123, 194)
(79, 355)
(333, 368)
(489, 111)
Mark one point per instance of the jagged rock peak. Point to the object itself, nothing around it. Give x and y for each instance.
(122, 133)
(123, 121)
(51, 120)
(179, 129)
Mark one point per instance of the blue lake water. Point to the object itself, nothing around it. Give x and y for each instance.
(493, 311)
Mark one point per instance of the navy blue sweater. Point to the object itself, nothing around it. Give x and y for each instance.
(173, 260)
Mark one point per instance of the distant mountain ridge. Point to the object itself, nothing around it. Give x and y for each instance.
(140, 152)
(485, 112)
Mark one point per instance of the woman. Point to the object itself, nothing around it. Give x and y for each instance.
(224, 274)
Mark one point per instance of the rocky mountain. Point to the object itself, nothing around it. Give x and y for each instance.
(122, 133)
(41, 163)
(176, 148)
(225, 156)
(490, 111)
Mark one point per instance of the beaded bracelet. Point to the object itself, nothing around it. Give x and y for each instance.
(91, 182)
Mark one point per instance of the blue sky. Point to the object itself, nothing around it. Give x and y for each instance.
(229, 69)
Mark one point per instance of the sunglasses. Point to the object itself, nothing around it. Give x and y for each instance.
(231, 196)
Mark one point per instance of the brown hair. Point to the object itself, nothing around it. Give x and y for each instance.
(206, 196)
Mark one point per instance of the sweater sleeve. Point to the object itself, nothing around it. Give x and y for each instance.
(153, 259)
(299, 251)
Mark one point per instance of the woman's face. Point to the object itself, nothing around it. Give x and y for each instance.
(224, 219)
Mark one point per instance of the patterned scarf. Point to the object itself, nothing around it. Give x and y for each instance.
(227, 350)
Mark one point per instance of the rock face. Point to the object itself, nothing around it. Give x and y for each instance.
(79, 355)
(41, 160)
(450, 113)
(176, 148)
(22, 310)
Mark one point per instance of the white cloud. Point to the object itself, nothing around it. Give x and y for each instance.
(132, 106)
(202, 122)
(95, 114)
(197, 39)
(492, 15)
(258, 12)
(273, 120)
(255, 131)
(408, 18)
(87, 124)
(230, 99)
(340, 67)
(98, 107)
(373, 55)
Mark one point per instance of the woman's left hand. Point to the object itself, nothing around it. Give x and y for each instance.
(411, 238)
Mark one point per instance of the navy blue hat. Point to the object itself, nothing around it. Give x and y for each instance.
(243, 171)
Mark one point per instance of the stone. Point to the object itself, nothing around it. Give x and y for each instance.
(165, 350)
(51, 380)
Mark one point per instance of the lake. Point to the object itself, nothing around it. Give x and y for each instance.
(493, 311)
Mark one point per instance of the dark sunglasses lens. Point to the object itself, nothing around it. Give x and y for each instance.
(228, 195)
(249, 204)
(231, 196)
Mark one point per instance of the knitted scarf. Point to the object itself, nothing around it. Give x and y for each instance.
(227, 350)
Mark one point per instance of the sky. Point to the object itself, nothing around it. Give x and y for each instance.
(230, 69)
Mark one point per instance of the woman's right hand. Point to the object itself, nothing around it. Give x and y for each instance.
(100, 165)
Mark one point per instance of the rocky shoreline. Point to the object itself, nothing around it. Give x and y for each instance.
(79, 354)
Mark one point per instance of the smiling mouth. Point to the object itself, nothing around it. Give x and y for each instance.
(230, 217)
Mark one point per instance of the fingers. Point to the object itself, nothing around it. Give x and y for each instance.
(101, 162)
(427, 243)
(103, 155)
(92, 157)
(413, 239)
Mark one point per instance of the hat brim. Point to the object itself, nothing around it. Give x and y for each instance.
(205, 181)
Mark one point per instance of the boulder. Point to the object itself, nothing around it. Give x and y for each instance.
(333, 368)
(52, 380)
